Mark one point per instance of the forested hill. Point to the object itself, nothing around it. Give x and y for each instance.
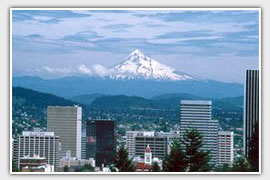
(29, 97)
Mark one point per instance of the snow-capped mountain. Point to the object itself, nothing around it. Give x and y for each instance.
(140, 66)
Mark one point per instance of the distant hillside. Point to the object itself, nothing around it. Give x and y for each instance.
(86, 99)
(172, 100)
(30, 97)
(237, 101)
(29, 109)
(165, 101)
(74, 86)
(122, 101)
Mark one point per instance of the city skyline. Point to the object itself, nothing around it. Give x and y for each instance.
(135, 90)
(216, 44)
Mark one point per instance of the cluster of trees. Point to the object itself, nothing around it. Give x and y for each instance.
(85, 168)
(186, 156)
(191, 159)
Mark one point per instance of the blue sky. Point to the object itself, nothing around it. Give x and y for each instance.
(216, 45)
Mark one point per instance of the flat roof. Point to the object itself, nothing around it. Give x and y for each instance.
(196, 102)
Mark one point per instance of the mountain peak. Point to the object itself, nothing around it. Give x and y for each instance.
(136, 52)
(140, 66)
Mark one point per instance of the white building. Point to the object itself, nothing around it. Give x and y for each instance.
(70, 161)
(33, 144)
(131, 136)
(65, 121)
(197, 114)
(225, 148)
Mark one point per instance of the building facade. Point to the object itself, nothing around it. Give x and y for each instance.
(196, 114)
(100, 141)
(42, 144)
(225, 148)
(74, 162)
(65, 122)
(158, 145)
(251, 107)
(130, 142)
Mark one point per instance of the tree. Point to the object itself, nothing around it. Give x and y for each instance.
(241, 164)
(224, 168)
(174, 162)
(15, 167)
(253, 155)
(66, 169)
(87, 168)
(122, 163)
(195, 159)
(156, 167)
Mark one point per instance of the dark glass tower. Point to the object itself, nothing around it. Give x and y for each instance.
(251, 111)
(100, 141)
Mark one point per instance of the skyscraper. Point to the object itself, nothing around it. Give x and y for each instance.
(251, 108)
(100, 141)
(42, 144)
(225, 148)
(195, 114)
(65, 121)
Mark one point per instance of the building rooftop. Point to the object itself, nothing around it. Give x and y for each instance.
(37, 133)
(196, 102)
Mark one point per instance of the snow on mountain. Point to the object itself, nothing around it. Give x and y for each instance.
(140, 66)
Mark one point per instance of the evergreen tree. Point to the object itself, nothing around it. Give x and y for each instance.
(195, 159)
(224, 168)
(174, 162)
(122, 162)
(66, 169)
(156, 167)
(87, 168)
(15, 167)
(253, 155)
(241, 164)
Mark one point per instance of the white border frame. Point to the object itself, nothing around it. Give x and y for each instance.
(136, 173)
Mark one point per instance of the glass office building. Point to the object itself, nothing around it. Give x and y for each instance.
(100, 141)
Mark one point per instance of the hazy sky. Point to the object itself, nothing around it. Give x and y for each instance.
(216, 45)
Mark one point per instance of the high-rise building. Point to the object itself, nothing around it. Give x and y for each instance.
(42, 144)
(65, 121)
(158, 145)
(196, 114)
(100, 141)
(131, 135)
(251, 108)
(225, 148)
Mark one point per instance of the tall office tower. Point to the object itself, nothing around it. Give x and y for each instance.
(131, 135)
(251, 110)
(100, 141)
(65, 121)
(158, 145)
(225, 148)
(195, 114)
(42, 144)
